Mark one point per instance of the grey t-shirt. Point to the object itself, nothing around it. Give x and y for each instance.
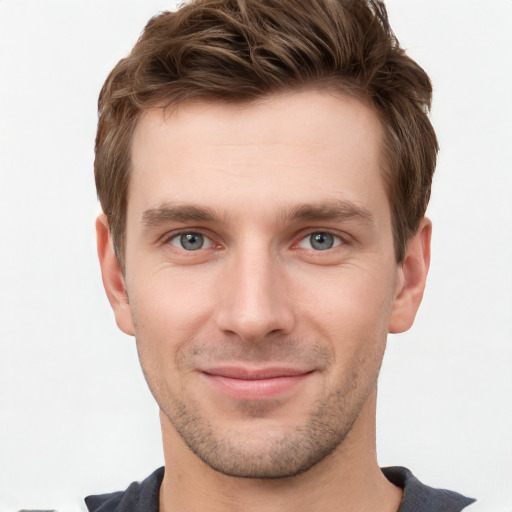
(143, 497)
(422, 498)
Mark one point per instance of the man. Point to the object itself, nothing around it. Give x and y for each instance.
(264, 168)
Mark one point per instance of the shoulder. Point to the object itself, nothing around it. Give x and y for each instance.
(138, 497)
(419, 497)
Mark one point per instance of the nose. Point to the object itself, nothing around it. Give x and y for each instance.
(254, 302)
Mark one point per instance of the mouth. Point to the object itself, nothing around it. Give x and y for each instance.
(255, 384)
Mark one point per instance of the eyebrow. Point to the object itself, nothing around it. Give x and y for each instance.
(329, 211)
(169, 212)
(325, 211)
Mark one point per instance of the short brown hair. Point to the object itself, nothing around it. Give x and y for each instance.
(239, 50)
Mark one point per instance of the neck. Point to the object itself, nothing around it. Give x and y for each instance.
(346, 480)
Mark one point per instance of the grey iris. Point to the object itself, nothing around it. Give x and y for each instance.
(192, 241)
(321, 241)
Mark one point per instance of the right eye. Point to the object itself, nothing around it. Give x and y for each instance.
(190, 241)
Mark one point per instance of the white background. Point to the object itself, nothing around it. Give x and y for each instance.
(75, 415)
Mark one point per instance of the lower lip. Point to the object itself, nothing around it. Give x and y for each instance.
(257, 389)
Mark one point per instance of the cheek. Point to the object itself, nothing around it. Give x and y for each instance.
(350, 310)
(164, 324)
(170, 309)
(348, 301)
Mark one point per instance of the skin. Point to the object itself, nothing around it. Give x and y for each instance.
(263, 347)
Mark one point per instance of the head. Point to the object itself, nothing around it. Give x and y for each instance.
(264, 168)
(239, 51)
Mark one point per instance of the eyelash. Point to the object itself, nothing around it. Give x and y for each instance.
(337, 240)
(177, 236)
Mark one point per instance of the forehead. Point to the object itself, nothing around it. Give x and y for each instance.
(283, 149)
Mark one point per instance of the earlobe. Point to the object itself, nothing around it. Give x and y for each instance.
(112, 275)
(411, 279)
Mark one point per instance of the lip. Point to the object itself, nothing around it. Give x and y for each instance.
(255, 384)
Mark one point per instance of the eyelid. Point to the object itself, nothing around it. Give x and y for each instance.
(169, 238)
(339, 239)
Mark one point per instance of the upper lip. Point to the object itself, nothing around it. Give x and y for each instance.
(243, 373)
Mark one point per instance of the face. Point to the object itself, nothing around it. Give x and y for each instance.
(260, 275)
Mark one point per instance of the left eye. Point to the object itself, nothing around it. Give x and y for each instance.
(320, 241)
(191, 241)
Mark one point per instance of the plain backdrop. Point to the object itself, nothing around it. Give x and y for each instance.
(75, 415)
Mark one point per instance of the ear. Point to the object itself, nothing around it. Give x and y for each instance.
(411, 279)
(113, 278)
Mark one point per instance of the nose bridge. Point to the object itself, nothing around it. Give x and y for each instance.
(253, 299)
